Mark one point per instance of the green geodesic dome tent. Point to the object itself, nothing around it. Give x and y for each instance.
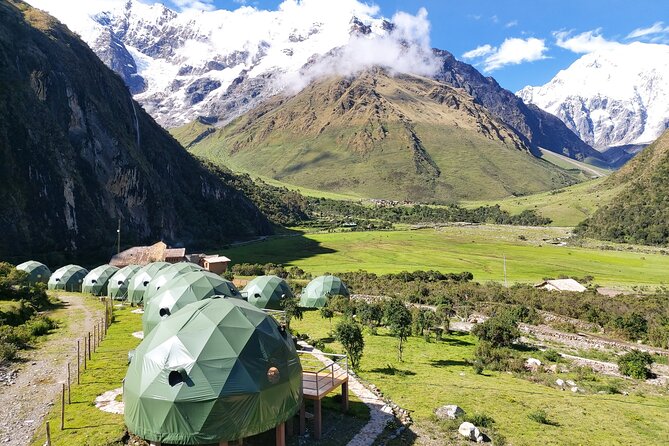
(117, 287)
(97, 279)
(218, 370)
(165, 275)
(68, 278)
(37, 272)
(268, 292)
(318, 291)
(181, 291)
(141, 280)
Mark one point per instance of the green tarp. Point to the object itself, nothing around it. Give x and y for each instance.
(184, 290)
(165, 275)
(96, 281)
(118, 283)
(68, 278)
(141, 280)
(268, 292)
(318, 291)
(37, 272)
(218, 370)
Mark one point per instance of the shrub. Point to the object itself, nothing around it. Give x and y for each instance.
(41, 325)
(398, 320)
(7, 351)
(499, 331)
(541, 417)
(635, 364)
(480, 420)
(349, 334)
(551, 355)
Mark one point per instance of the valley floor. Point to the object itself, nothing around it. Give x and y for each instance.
(531, 253)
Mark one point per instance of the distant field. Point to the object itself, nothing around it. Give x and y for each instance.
(478, 249)
(566, 207)
(588, 171)
(437, 373)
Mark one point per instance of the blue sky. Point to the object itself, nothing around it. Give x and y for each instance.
(536, 51)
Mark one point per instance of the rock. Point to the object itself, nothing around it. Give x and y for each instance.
(449, 412)
(559, 383)
(532, 364)
(571, 383)
(574, 389)
(471, 432)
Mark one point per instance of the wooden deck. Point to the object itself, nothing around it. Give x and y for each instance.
(316, 385)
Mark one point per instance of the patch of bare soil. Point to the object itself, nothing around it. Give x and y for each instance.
(37, 378)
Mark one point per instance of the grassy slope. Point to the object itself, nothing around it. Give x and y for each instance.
(354, 140)
(566, 207)
(438, 375)
(586, 170)
(479, 250)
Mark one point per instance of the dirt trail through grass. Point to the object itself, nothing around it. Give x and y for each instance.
(25, 403)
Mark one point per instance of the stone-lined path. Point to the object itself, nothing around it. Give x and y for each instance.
(380, 412)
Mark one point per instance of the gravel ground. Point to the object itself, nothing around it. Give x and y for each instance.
(26, 399)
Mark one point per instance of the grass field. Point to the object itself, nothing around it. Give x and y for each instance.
(566, 207)
(478, 249)
(436, 373)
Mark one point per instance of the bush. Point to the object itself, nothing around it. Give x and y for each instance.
(7, 351)
(349, 334)
(480, 420)
(552, 355)
(499, 331)
(541, 417)
(635, 364)
(40, 326)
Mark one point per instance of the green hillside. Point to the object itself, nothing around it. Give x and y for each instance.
(640, 211)
(404, 138)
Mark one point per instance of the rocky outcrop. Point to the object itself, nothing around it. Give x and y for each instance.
(78, 154)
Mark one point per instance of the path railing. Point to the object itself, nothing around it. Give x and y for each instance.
(322, 372)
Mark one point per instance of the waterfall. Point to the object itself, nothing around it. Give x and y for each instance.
(136, 120)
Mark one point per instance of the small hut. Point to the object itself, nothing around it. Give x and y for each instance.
(181, 291)
(317, 292)
(167, 274)
(219, 370)
(67, 278)
(268, 292)
(37, 272)
(118, 283)
(141, 280)
(97, 280)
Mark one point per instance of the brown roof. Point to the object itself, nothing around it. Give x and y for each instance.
(217, 259)
(172, 253)
(140, 255)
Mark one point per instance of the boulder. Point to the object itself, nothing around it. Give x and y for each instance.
(574, 389)
(449, 412)
(532, 364)
(571, 383)
(560, 383)
(471, 432)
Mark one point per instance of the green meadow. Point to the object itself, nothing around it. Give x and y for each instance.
(436, 373)
(482, 250)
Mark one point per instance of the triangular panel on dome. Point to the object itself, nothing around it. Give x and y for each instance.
(165, 275)
(117, 287)
(140, 281)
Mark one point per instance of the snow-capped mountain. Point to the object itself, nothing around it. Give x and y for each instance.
(612, 97)
(219, 64)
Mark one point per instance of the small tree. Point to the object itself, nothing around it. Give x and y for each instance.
(349, 334)
(499, 331)
(635, 364)
(328, 314)
(398, 320)
(292, 309)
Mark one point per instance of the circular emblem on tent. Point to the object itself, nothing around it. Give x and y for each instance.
(273, 375)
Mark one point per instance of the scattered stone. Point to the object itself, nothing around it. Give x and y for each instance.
(471, 432)
(449, 412)
(574, 389)
(138, 311)
(138, 334)
(571, 383)
(560, 383)
(107, 401)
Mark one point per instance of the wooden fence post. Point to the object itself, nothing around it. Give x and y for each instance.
(89, 345)
(69, 392)
(62, 409)
(48, 434)
(78, 360)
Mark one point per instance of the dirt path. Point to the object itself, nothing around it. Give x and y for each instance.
(38, 380)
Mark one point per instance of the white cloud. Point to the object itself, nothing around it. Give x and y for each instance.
(586, 42)
(512, 51)
(406, 49)
(511, 24)
(479, 51)
(654, 29)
